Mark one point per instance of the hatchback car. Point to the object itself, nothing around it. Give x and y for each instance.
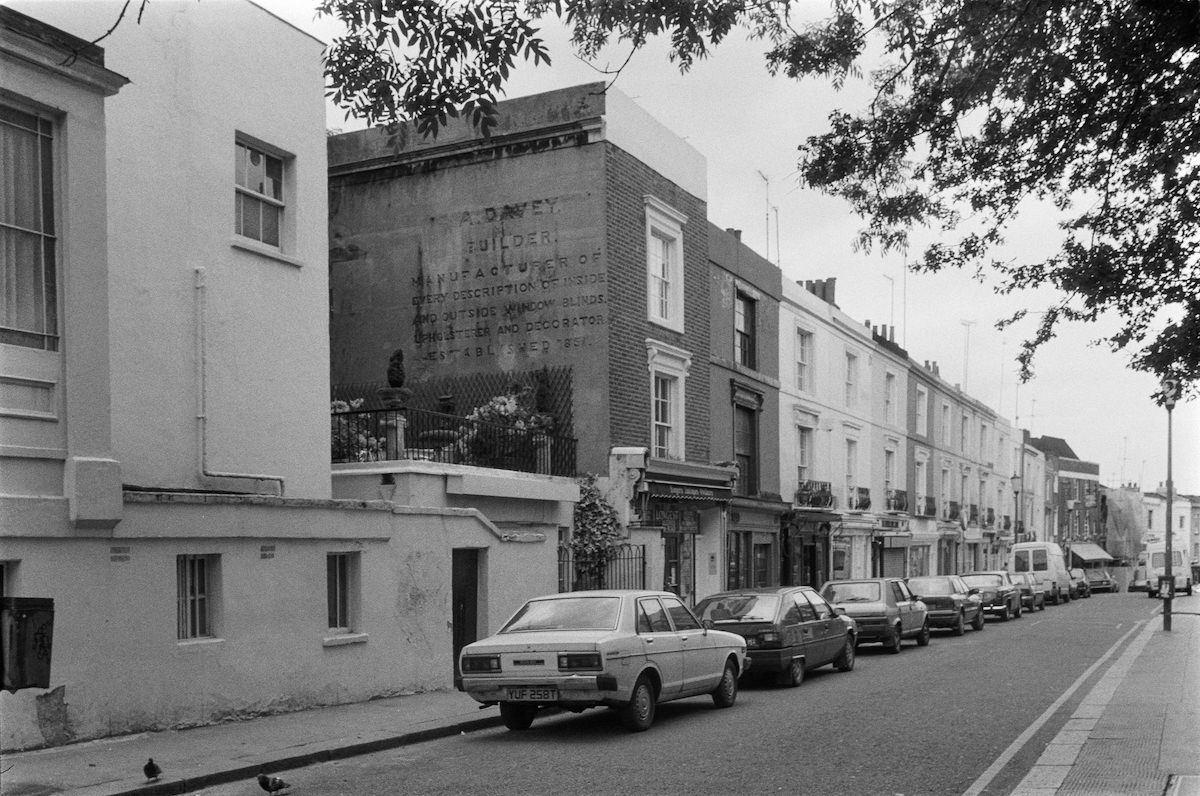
(885, 609)
(788, 630)
(950, 602)
(1100, 580)
(1079, 584)
(999, 593)
(1033, 593)
(625, 649)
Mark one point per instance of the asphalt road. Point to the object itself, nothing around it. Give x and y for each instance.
(930, 720)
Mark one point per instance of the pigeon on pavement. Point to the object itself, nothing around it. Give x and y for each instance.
(151, 770)
(271, 784)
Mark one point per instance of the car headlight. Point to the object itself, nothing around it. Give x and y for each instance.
(481, 663)
(576, 661)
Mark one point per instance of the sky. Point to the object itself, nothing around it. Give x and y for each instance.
(747, 124)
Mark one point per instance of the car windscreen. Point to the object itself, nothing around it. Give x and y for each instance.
(568, 613)
(851, 592)
(739, 608)
(983, 580)
(931, 586)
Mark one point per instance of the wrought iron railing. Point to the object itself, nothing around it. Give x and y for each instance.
(953, 510)
(817, 494)
(973, 514)
(858, 498)
(989, 518)
(625, 570)
(926, 506)
(416, 434)
(897, 500)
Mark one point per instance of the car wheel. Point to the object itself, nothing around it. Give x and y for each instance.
(893, 643)
(979, 621)
(1042, 604)
(960, 624)
(1017, 609)
(638, 714)
(725, 694)
(845, 661)
(923, 636)
(793, 675)
(1006, 614)
(516, 715)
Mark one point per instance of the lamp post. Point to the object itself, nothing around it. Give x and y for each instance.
(1016, 486)
(1170, 390)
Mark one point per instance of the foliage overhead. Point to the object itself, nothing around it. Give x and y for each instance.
(982, 109)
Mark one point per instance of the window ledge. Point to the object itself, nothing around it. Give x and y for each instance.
(343, 640)
(199, 643)
(271, 253)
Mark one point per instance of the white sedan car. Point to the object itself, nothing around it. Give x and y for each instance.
(624, 649)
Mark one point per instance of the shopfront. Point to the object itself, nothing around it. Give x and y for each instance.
(805, 550)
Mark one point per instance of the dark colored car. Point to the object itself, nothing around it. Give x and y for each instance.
(885, 608)
(999, 593)
(1079, 584)
(1033, 593)
(1100, 580)
(949, 602)
(788, 630)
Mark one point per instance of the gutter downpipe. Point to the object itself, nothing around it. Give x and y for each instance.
(201, 389)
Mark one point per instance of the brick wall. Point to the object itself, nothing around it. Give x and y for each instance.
(627, 181)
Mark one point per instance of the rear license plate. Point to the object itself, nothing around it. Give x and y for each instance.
(531, 694)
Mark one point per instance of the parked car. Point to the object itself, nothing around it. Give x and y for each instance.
(1079, 583)
(1099, 580)
(625, 649)
(885, 609)
(788, 630)
(1033, 593)
(999, 593)
(949, 602)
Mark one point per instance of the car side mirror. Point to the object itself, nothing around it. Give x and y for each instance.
(916, 598)
(839, 610)
(707, 623)
(973, 590)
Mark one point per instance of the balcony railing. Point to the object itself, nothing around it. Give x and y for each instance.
(926, 506)
(417, 434)
(1006, 523)
(973, 514)
(858, 498)
(953, 511)
(816, 494)
(897, 500)
(989, 518)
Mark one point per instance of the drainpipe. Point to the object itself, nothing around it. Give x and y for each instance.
(201, 389)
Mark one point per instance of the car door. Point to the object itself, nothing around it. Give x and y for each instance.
(800, 627)
(702, 659)
(829, 632)
(661, 645)
(910, 619)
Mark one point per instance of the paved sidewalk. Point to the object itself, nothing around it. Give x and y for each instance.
(1136, 732)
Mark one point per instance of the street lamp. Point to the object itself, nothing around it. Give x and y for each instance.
(1170, 391)
(1016, 486)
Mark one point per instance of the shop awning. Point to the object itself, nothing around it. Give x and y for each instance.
(1086, 552)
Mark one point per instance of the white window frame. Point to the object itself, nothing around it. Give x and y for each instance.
(664, 233)
(922, 411)
(805, 343)
(342, 591)
(851, 452)
(197, 603)
(287, 202)
(804, 452)
(947, 428)
(889, 396)
(851, 380)
(671, 363)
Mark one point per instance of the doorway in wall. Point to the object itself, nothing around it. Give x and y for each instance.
(464, 598)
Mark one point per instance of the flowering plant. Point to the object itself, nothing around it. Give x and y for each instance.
(501, 432)
(350, 437)
(513, 411)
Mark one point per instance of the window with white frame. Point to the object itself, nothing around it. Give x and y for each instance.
(341, 587)
(919, 486)
(28, 255)
(259, 194)
(804, 360)
(197, 583)
(889, 396)
(851, 380)
(946, 435)
(851, 470)
(745, 447)
(965, 433)
(889, 469)
(804, 453)
(945, 492)
(983, 443)
(922, 411)
(668, 367)
(664, 263)
(744, 342)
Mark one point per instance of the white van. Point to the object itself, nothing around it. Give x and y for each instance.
(1156, 567)
(1045, 560)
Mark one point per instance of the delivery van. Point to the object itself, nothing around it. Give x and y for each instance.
(1156, 567)
(1045, 560)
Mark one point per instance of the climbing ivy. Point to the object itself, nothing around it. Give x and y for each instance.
(596, 537)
